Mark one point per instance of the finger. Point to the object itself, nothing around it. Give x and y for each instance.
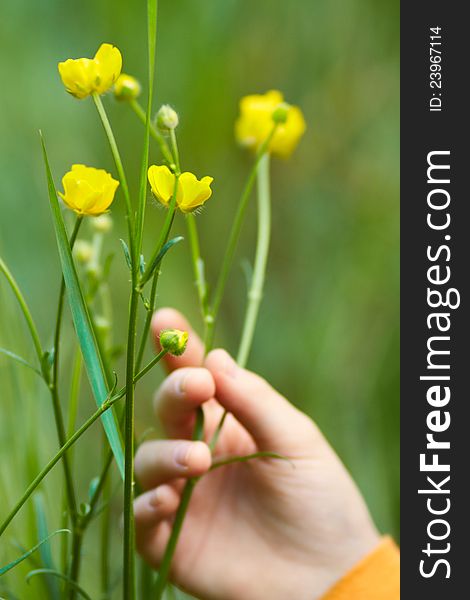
(153, 506)
(178, 397)
(161, 461)
(272, 421)
(169, 318)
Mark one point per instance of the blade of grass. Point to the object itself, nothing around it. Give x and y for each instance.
(20, 360)
(81, 320)
(55, 459)
(55, 573)
(17, 561)
(24, 309)
(45, 549)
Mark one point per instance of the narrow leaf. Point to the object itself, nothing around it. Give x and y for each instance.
(60, 575)
(127, 254)
(45, 549)
(222, 462)
(20, 360)
(15, 562)
(161, 254)
(82, 322)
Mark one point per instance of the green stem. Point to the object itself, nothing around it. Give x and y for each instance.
(73, 409)
(119, 167)
(107, 404)
(232, 243)
(164, 569)
(151, 38)
(53, 386)
(157, 136)
(104, 542)
(198, 267)
(165, 565)
(128, 546)
(255, 293)
(74, 574)
(24, 309)
(164, 234)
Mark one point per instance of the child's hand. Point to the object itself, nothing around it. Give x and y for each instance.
(267, 528)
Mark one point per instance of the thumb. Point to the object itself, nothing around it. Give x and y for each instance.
(272, 421)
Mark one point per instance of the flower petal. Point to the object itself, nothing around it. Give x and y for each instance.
(162, 182)
(108, 61)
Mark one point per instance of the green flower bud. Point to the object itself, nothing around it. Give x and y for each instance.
(102, 324)
(83, 251)
(281, 113)
(102, 224)
(173, 341)
(126, 87)
(167, 118)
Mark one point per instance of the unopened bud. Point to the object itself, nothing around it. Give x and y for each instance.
(174, 341)
(126, 87)
(102, 224)
(102, 324)
(167, 118)
(281, 113)
(83, 251)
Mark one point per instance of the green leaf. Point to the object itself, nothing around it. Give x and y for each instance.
(15, 562)
(20, 360)
(45, 549)
(127, 254)
(161, 254)
(60, 575)
(222, 462)
(82, 322)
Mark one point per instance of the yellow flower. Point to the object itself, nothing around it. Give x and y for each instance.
(258, 114)
(126, 87)
(88, 191)
(85, 76)
(191, 192)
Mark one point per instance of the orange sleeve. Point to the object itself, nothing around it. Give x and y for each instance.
(376, 577)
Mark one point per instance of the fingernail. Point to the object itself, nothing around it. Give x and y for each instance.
(181, 385)
(181, 455)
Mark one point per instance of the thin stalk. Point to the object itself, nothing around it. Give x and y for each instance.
(163, 237)
(255, 293)
(165, 565)
(157, 136)
(164, 234)
(24, 309)
(104, 542)
(128, 545)
(107, 404)
(232, 243)
(164, 569)
(83, 523)
(53, 386)
(175, 152)
(152, 6)
(119, 167)
(73, 409)
(198, 267)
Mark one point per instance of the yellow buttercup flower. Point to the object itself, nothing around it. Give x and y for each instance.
(190, 194)
(85, 76)
(88, 191)
(258, 114)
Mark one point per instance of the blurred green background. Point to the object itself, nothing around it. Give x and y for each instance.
(328, 332)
